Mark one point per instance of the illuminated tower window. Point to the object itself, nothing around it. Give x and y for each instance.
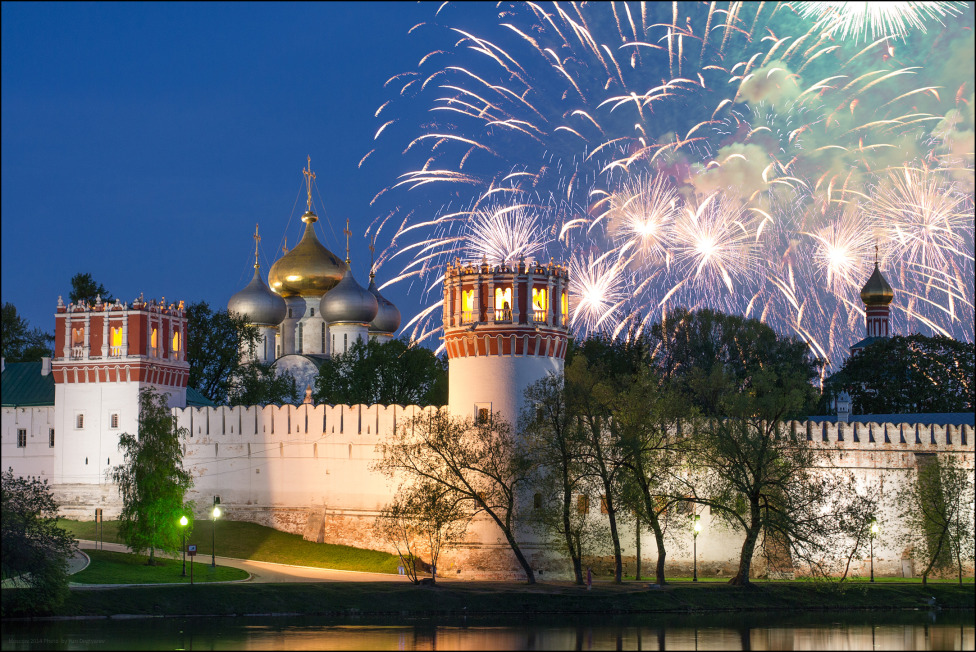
(539, 303)
(153, 341)
(467, 307)
(503, 304)
(176, 342)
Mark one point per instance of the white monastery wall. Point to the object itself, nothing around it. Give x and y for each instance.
(306, 469)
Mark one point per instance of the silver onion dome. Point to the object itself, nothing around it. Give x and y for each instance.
(387, 317)
(262, 306)
(348, 302)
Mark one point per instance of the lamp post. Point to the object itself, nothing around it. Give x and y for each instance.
(213, 532)
(696, 528)
(874, 533)
(183, 523)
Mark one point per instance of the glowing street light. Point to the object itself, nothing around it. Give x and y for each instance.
(183, 522)
(874, 533)
(213, 532)
(696, 528)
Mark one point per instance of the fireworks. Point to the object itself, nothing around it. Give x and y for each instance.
(745, 157)
(853, 19)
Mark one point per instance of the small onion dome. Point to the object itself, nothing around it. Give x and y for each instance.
(348, 302)
(877, 292)
(308, 270)
(387, 317)
(262, 306)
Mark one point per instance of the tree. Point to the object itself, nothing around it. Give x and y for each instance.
(937, 507)
(85, 290)
(20, 342)
(762, 478)
(646, 420)
(257, 384)
(423, 515)
(152, 481)
(906, 374)
(555, 446)
(214, 344)
(35, 550)
(482, 465)
(391, 373)
(707, 354)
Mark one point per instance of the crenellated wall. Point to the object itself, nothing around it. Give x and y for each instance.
(307, 469)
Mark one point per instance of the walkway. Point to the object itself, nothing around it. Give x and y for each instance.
(265, 572)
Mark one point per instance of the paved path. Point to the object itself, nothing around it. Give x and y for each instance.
(266, 572)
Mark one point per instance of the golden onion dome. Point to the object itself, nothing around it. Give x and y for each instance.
(877, 292)
(309, 269)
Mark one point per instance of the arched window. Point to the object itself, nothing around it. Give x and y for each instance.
(153, 342)
(323, 338)
(301, 337)
(176, 341)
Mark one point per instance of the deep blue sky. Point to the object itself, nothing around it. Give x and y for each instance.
(141, 142)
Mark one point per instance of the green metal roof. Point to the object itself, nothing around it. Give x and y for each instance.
(195, 399)
(22, 385)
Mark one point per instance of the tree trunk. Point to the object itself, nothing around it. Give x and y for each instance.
(741, 578)
(574, 550)
(638, 559)
(615, 537)
(662, 553)
(513, 544)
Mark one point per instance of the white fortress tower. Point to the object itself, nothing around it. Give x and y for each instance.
(104, 355)
(504, 329)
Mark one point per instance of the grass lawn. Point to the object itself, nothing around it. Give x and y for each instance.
(122, 568)
(242, 540)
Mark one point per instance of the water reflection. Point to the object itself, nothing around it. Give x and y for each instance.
(865, 631)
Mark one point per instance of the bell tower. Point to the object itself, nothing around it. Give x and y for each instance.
(505, 327)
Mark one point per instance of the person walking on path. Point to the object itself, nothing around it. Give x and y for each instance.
(589, 578)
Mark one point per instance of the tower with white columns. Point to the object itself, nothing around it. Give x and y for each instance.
(505, 327)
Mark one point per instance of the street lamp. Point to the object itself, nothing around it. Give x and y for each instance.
(874, 533)
(213, 532)
(696, 528)
(183, 523)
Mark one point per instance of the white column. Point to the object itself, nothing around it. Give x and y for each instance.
(515, 297)
(67, 335)
(87, 328)
(125, 333)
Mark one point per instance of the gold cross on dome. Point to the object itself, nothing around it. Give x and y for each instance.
(348, 233)
(372, 249)
(309, 178)
(257, 239)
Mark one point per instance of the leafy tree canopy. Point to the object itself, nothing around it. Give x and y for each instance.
(257, 384)
(719, 360)
(906, 374)
(84, 289)
(20, 342)
(152, 481)
(213, 349)
(390, 373)
(35, 549)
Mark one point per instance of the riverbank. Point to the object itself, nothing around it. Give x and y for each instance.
(489, 598)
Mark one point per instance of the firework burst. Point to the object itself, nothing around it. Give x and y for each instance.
(743, 156)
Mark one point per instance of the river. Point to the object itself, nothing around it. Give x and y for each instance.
(912, 630)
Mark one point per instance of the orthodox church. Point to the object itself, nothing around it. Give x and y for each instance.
(314, 307)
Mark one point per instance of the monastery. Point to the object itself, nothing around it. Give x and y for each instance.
(307, 468)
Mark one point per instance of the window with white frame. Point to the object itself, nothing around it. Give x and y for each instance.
(21, 438)
(482, 412)
(50, 437)
(114, 420)
(80, 420)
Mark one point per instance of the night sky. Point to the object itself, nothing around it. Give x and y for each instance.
(142, 142)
